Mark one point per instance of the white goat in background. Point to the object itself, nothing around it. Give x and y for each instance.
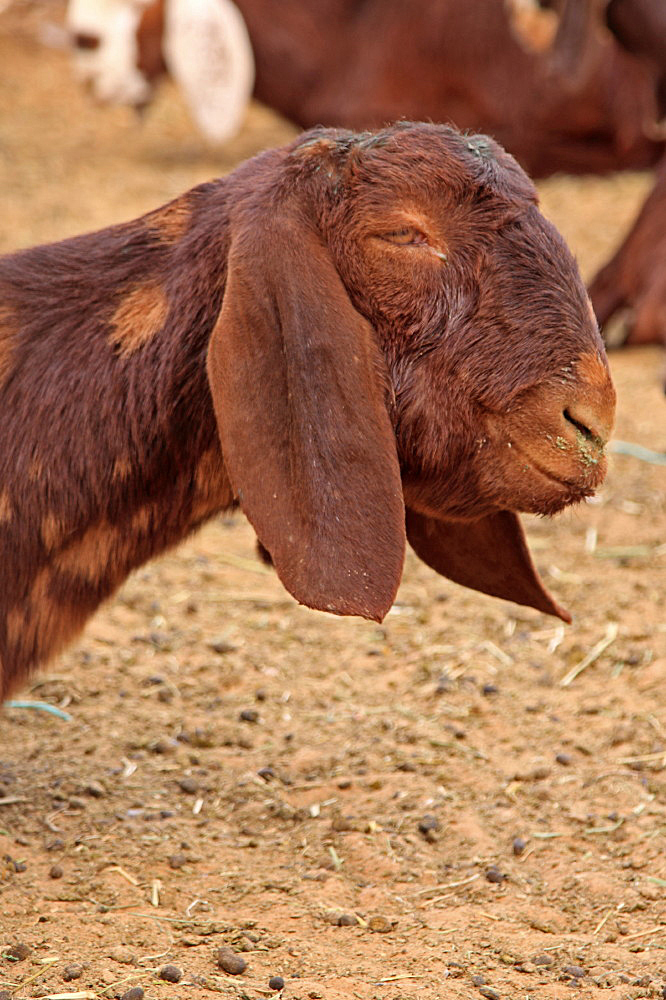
(205, 48)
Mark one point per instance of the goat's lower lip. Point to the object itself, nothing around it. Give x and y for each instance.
(573, 487)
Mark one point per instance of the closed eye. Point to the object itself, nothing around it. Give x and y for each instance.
(407, 236)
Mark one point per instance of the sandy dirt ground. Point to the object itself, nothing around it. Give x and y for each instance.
(414, 810)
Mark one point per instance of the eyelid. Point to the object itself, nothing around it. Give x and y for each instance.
(405, 236)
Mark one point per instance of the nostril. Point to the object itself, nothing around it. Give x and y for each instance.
(584, 430)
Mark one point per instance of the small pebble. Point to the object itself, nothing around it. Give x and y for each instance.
(177, 861)
(428, 827)
(574, 970)
(135, 993)
(489, 993)
(276, 983)
(380, 925)
(347, 920)
(189, 785)
(544, 960)
(489, 689)
(249, 715)
(563, 758)
(170, 974)
(95, 790)
(230, 962)
(122, 955)
(519, 845)
(495, 875)
(19, 952)
(479, 980)
(56, 871)
(73, 971)
(222, 645)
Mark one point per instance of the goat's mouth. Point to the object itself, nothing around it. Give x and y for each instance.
(550, 472)
(571, 484)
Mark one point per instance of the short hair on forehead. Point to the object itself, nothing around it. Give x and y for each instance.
(472, 162)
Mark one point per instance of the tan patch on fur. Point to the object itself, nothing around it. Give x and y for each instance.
(592, 370)
(172, 221)
(51, 530)
(533, 26)
(42, 626)
(15, 624)
(8, 331)
(121, 469)
(212, 489)
(6, 510)
(142, 520)
(140, 315)
(90, 557)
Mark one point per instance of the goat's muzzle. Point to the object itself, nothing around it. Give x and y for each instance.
(551, 446)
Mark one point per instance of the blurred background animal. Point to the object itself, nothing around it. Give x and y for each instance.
(565, 85)
(121, 47)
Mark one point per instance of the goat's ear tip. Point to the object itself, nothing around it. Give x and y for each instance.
(562, 613)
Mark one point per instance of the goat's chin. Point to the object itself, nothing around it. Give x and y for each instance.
(534, 489)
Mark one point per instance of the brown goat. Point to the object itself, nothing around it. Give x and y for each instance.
(581, 107)
(341, 330)
(635, 278)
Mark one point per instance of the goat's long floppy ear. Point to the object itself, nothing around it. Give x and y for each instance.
(490, 555)
(299, 389)
(208, 53)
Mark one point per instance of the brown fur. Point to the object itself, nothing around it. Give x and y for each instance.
(171, 222)
(348, 331)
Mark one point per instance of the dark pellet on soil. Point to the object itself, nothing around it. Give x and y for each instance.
(170, 974)
(479, 980)
(518, 845)
(347, 920)
(230, 962)
(428, 827)
(489, 689)
(70, 972)
(544, 960)
(177, 861)
(189, 785)
(249, 715)
(267, 773)
(17, 952)
(489, 993)
(495, 875)
(574, 970)
(563, 758)
(136, 993)
(276, 983)
(56, 844)
(56, 871)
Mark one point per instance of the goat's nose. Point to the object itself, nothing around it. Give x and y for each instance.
(595, 423)
(590, 409)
